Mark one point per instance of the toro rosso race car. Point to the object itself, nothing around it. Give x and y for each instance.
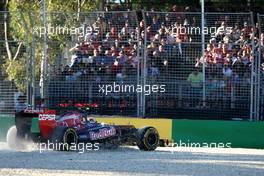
(75, 126)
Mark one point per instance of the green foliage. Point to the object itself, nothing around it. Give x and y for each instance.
(156, 4)
(16, 72)
(28, 13)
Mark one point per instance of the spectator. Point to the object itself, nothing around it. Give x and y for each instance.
(262, 40)
(90, 35)
(108, 42)
(134, 59)
(227, 71)
(122, 58)
(195, 79)
(21, 103)
(100, 25)
(126, 30)
(114, 33)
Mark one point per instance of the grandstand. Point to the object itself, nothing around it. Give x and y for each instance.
(152, 47)
(115, 48)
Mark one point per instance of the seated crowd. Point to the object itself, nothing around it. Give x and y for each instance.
(113, 50)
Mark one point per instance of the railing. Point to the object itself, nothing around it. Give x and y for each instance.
(218, 77)
(8, 97)
(261, 58)
(219, 81)
(159, 48)
(179, 98)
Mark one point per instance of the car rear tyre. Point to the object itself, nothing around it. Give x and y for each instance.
(13, 140)
(148, 139)
(64, 138)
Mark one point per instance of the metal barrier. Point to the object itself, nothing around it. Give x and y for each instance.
(150, 64)
(261, 58)
(215, 82)
(212, 76)
(14, 54)
(100, 55)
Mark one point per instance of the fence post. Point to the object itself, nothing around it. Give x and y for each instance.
(255, 68)
(203, 48)
(27, 59)
(139, 56)
(258, 71)
(252, 111)
(44, 64)
(144, 70)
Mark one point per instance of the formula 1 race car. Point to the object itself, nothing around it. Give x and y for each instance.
(75, 126)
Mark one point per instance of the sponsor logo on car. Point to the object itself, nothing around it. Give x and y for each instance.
(47, 116)
(103, 133)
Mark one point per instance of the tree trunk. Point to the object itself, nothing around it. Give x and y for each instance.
(78, 9)
(8, 51)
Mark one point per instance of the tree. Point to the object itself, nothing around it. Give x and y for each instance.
(13, 64)
(15, 31)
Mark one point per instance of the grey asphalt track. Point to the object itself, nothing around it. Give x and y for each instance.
(131, 161)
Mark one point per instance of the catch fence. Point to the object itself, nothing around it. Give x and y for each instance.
(148, 64)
